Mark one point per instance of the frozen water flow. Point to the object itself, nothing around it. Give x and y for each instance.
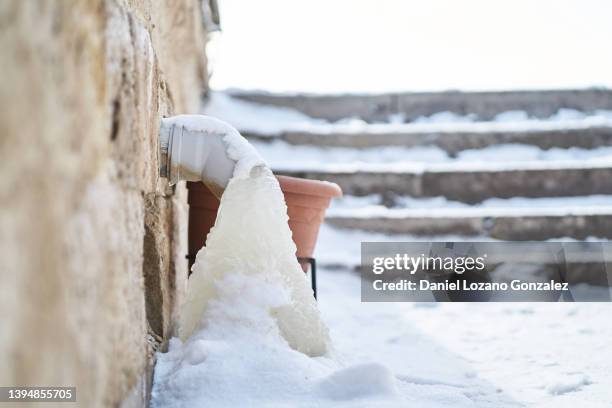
(251, 237)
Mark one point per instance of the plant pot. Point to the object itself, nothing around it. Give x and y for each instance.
(307, 201)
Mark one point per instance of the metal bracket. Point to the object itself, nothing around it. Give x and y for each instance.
(313, 273)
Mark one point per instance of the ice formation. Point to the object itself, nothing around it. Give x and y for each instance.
(251, 333)
(251, 239)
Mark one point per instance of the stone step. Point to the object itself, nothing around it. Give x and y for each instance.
(474, 183)
(452, 139)
(502, 224)
(486, 105)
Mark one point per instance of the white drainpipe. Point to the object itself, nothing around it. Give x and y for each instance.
(192, 151)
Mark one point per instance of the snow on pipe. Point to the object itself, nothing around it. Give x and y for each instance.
(195, 152)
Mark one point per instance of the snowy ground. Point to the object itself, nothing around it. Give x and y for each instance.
(520, 354)
(424, 355)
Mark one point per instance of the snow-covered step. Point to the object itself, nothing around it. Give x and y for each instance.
(452, 138)
(520, 224)
(282, 155)
(485, 105)
(470, 182)
(380, 203)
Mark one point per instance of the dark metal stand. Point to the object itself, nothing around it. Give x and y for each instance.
(313, 273)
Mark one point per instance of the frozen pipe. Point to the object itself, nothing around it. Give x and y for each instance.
(195, 153)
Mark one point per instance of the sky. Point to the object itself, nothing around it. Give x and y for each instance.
(336, 46)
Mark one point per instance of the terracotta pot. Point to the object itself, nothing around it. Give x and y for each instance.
(306, 201)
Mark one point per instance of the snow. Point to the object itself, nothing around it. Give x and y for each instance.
(456, 166)
(251, 238)
(517, 152)
(286, 157)
(283, 156)
(240, 359)
(559, 211)
(271, 121)
(570, 383)
(555, 207)
(495, 354)
(402, 359)
(373, 202)
(359, 381)
(512, 116)
(247, 294)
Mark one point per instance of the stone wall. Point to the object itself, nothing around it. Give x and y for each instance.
(92, 242)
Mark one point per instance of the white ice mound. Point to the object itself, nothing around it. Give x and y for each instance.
(251, 239)
(359, 381)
